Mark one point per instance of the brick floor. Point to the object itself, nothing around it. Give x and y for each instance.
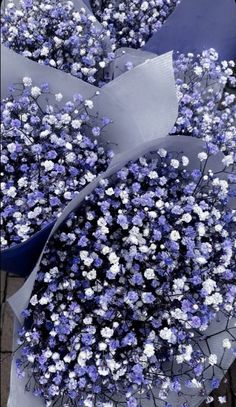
(9, 285)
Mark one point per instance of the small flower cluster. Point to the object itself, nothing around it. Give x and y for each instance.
(55, 34)
(46, 155)
(132, 22)
(130, 282)
(205, 110)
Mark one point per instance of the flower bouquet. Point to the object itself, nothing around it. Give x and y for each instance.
(47, 157)
(130, 299)
(130, 283)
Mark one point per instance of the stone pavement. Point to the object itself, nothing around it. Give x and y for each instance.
(9, 285)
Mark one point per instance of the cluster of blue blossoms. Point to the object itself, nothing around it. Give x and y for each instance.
(132, 22)
(56, 34)
(46, 155)
(130, 282)
(136, 276)
(207, 105)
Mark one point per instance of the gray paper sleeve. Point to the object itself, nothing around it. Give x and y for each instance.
(15, 66)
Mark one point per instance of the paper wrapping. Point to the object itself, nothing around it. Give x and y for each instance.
(196, 25)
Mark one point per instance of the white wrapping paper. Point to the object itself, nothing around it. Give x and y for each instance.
(141, 103)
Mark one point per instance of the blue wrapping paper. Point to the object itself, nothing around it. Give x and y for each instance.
(196, 25)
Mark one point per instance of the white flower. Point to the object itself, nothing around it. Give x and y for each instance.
(31, 358)
(179, 314)
(87, 321)
(201, 260)
(103, 371)
(115, 268)
(149, 274)
(167, 335)
(144, 6)
(212, 359)
(48, 164)
(34, 300)
(102, 346)
(27, 81)
(198, 70)
(58, 97)
(149, 350)
(68, 195)
(174, 163)
(196, 384)
(218, 228)
(83, 254)
(76, 124)
(113, 258)
(89, 292)
(209, 285)
(11, 147)
(35, 91)
(92, 275)
(89, 104)
(44, 134)
(67, 359)
(48, 353)
(202, 156)
(23, 230)
(219, 270)
(226, 343)
(68, 146)
(44, 301)
(102, 64)
(24, 118)
(44, 51)
(11, 192)
(110, 191)
(162, 152)
(222, 399)
(214, 299)
(185, 160)
(83, 357)
(179, 283)
(17, 215)
(65, 118)
(159, 204)
(187, 217)
(201, 229)
(107, 332)
(175, 235)
(228, 160)
(71, 157)
(153, 175)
